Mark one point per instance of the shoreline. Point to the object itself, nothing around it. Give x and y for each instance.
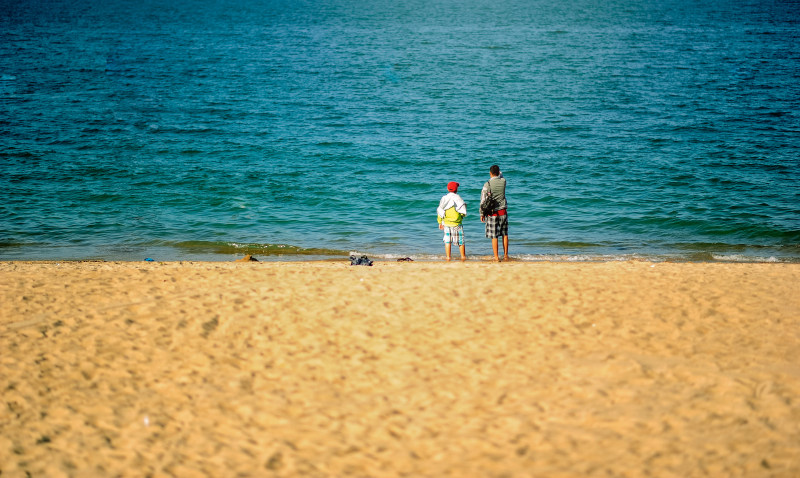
(434, 258)
(425, 368)
(195, 251)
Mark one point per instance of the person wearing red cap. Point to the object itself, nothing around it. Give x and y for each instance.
(450, 213)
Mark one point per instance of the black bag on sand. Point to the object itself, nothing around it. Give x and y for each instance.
(360, 261)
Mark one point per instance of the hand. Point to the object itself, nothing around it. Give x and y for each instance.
(441, 226)
(483, 218)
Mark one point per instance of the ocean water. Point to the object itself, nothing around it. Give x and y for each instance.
(200, 129)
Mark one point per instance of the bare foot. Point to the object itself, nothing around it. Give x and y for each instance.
(506, 258)
(447, 259)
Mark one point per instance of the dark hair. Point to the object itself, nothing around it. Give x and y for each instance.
(495, 170)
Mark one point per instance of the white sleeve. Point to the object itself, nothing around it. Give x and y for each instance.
(440, 209)
(461, 206)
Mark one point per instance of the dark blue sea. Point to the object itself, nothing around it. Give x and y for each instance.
(206, 130)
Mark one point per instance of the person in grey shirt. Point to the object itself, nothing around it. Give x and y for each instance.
(497, 219)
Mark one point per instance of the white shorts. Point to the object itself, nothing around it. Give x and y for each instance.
(454, 235)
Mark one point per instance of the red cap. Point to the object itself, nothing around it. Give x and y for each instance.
(452, 186)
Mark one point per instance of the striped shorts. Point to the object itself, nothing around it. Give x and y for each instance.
(454, 235)
(496, 226)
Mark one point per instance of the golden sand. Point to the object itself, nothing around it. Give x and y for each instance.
(400, 369)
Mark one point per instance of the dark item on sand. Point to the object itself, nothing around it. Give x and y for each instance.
(247, 258)
(489, 205)
(405, 259)
(360, 261)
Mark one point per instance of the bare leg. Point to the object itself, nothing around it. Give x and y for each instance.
(494, 249)
(463, 249)
(505, 247)
(447, 251)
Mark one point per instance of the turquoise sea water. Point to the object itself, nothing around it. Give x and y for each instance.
(309, 129)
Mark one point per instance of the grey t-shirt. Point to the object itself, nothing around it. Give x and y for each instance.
(498, 187)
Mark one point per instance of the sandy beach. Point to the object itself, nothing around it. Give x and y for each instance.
(517, 369)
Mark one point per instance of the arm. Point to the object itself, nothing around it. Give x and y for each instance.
(484, 192)
(440, 214)
(461, 206)
(440, 210)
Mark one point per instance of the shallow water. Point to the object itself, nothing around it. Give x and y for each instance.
(313, 129)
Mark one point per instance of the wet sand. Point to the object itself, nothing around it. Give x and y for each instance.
(400, 369)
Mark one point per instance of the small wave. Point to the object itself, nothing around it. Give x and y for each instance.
(580, 257)
(700, 256)
(252, 249)
(693, 257)
(568, 244)
(12, 244)
(745, 258)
